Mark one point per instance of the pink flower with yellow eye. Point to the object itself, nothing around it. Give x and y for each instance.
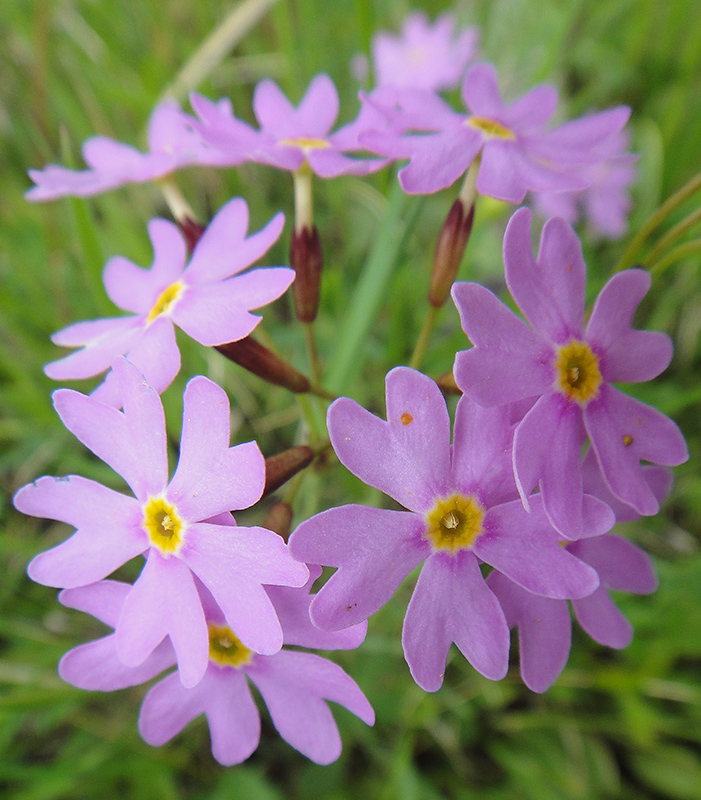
(209, 296)
(568, 368)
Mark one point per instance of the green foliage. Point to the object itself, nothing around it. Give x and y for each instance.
(617, 724)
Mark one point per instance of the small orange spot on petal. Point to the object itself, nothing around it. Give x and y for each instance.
(406, 418)
(627, 440)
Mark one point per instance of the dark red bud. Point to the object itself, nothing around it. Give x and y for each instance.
(280, 468)
(307, 260)
(253, 356)
(446, 383)
(191, 230)
(450, 247)
(279, 519)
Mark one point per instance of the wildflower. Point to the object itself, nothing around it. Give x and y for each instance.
(209, 297)
(516, 153)
(173, 524)
(424, 55)
(294, 686)
(172, 141)
(570, 369)
(462, 510)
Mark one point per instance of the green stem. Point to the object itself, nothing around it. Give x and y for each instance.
(670, 205)
(223, 39)
(422, 341)
(671, 237)
(683, 250)
(312, 353)
(176, 202)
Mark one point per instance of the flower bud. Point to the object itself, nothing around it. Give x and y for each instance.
(253, 356)
(280, 468)
(450, 247)
(279, 519)
(191, 230)
(307, 260)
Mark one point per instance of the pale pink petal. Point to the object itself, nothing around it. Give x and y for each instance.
(232, 716)
(480, 91)
(104, 600)
(407, 457)
(602, 620)
(274, 112)
(498, 176)
(438, 159)
(295, 687)
(330, 163)
(452, 603)
(620, 564)
(532, 110)
(375, 549)
(627, 355)
(549, 291)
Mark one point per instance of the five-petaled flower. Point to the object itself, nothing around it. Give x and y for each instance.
(210, 297)
(182, 526)
(462, 510)
(568, 368)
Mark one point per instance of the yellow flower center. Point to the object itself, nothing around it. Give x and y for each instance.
(454, 523)
(305, 143)
(165, 529)
(491, 128)
(166, 300)
(225, 647)
(577, 373)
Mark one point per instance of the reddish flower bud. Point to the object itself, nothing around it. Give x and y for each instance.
(191, 230)
(306, 259)
(253, 356)
(280, 468)
(450, 247)
(279, 519)
(446, 383)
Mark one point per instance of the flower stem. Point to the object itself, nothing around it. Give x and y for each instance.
(222, 39)
(312, 352)
(679, 252)
(670, 205)
(178, 205)
(422, 341)
(671, 237)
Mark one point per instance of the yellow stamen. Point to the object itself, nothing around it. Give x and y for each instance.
(165, 301)
(577, 373)
(454, 523)
(305, 143)
(490, 128)
(165, 529)
(225, 647)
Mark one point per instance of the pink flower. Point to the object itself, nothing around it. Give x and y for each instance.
(517, 153)
(462, 510)
(209, 297)
(569, 369)
(173, 143)
(170, 523)
(423, 55)
(289, 136)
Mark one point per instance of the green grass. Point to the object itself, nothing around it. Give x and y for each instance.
(616, 724)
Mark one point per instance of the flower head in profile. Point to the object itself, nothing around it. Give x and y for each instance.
(462, 510)
(516, 151)
(182, 527)
(568, 367)
(290, 136)
(173, 143)
(424, 55)
(210, 297)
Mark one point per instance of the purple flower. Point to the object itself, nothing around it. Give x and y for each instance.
(570, 369)
(423, 55)
(517, 154)
(294, 686)
(461, 511)
(290, 137)
(606, 202)
(172, 141)
(209, 297)
(170, 523)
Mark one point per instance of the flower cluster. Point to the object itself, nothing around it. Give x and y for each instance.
(509, 519)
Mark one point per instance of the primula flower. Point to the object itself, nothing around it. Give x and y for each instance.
(605, 203)
(461, 511)
(173, 524)
(570, 368)
(294, 686)
(517, 153)
(290, 137)
(209, 297)
(423, 55)
(172, 141)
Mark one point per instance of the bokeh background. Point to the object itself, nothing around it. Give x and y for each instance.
(616, 724)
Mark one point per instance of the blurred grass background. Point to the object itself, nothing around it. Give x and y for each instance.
(616, 724)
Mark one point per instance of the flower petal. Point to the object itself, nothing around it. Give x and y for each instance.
(620, 564)
(452, 603)
(602, 620)
(373, 548)
(104, 600)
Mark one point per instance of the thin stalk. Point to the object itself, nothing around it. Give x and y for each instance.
(304, 207)
(221, 41)
(422, 341)
(679, 252)
(670, 205)
(671, 237)
(178, 205)
(312, 353)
